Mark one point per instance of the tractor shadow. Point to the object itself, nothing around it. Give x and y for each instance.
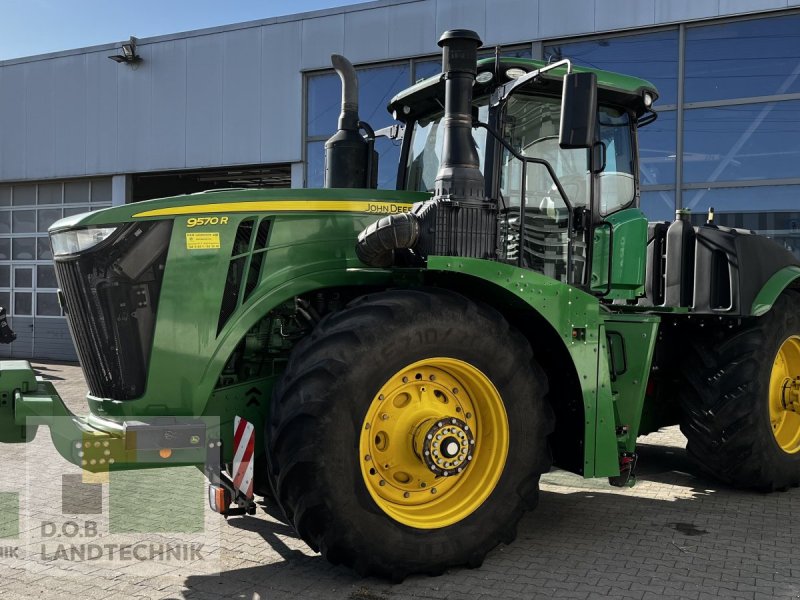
(676, 530)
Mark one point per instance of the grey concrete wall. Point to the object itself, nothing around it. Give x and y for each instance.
(233, 95)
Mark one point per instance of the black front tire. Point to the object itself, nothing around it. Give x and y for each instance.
(319, 406)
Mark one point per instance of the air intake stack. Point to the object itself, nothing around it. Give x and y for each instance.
(458, 220)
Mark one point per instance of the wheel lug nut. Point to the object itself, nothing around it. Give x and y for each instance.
(384, 416)
(380, 397)
(382, 483)
(368, 457)
(432, 378)
(406, 495)
(405, 379)
(433, 490)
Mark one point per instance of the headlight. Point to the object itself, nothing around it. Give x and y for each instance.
(78, 240)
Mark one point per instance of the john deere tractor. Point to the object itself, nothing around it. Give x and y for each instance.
(395, 369)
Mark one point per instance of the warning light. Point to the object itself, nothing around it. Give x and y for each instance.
(165, 452)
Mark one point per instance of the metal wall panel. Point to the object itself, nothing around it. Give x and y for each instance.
(204, 100)
(39, 137)
(281, 91)
(461, 14)
(740, 6)
(241, 97)
(511, 21)
(320, 38)
(69, 111)
(620, 14)
(101, 113)
(12, 122)
(168, 121)
(366, 35)
(134, 113)
(46, 339)
(412, 29)
(683, 10)
(566, 17)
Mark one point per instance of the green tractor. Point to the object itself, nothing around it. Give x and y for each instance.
(396, 369)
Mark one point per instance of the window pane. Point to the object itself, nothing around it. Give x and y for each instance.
(5, 195)
(76, 192)
(658, 206)
(5, 300)
(24, 221)
(48, 216)
(427, 68)
(46, 276)
(735, 143)
(47, 304)
(43, 250)
(24, 195)
(5, 249)
(758, 198)
(101, 191)
(324, 99)
(49, 193)
(652, 56)
(23, 248)
(376, 86)
(22, 303)
(657, 150)
(5, 221)
(5, 276)
(744, 58)
(388, 157)
(68, 212)
(23, 277)
(315, 159)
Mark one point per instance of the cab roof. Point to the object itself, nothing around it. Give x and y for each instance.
(427, 95)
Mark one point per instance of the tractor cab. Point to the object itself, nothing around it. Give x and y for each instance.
(556, 199)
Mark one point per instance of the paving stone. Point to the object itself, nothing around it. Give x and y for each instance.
(585, 540)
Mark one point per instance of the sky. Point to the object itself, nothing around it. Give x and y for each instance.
(29, 27)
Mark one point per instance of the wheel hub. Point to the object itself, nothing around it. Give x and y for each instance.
(791, 395)
(444, 445)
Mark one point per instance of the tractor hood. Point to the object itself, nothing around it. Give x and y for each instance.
(227, 202)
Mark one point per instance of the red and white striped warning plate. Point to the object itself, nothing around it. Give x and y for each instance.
(244, 441)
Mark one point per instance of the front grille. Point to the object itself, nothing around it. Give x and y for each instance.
(110, 294)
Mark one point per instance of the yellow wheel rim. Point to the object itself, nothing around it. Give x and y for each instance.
(434, 443)
(784, 396)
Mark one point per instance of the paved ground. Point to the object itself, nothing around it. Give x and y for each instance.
(676, 534)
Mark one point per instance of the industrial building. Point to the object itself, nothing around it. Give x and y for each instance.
(252, 104)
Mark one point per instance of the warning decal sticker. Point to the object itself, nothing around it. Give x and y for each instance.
(202, 241)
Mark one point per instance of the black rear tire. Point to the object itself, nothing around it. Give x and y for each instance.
(725, 406)
(317, 415)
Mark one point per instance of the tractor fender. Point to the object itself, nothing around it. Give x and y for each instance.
(773, 288)
(571, 324)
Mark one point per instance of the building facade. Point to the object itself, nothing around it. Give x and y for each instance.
(252, 104)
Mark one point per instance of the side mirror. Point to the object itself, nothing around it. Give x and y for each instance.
(578, 111)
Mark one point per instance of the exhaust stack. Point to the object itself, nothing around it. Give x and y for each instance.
(458, 220)
(347, 153)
